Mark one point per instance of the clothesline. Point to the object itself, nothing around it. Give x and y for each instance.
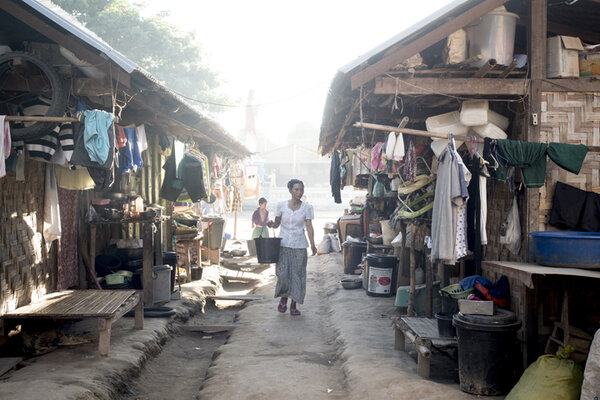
(475, 139)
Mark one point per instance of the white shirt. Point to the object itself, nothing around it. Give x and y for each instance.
(293, 223)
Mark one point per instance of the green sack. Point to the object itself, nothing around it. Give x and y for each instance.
(550, 377)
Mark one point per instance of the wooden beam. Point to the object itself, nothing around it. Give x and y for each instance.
(66, 40)
(581, 84)
(452, 86)
(423, 42)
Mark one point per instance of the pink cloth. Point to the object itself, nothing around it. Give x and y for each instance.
(377, 163)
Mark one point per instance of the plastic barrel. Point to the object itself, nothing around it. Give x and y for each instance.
(444, 323)
(352, 253)
(267, 249)
(382, 272)
(487, 352)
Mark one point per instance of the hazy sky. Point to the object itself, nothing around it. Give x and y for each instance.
(288, 52)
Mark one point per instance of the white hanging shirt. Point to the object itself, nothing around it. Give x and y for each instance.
(4, 145)
(293, 224)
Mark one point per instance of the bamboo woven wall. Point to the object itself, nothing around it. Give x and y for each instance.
(27, 270)
(569, 118)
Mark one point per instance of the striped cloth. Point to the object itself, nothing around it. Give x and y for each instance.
(44, 147)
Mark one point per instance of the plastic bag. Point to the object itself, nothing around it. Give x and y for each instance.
(335, 243)
(325, 246)
(397, 241)
(550, 377)
(510, 232)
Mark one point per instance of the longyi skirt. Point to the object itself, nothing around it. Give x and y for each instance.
(291, 274)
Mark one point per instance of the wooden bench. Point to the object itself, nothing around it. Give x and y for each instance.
(423, 334)
(105, 305)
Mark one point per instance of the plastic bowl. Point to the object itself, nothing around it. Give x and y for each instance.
(351, 283)
(567, 249)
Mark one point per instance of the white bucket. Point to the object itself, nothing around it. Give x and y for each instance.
(490, 130)
(161, 285)
(493, 37)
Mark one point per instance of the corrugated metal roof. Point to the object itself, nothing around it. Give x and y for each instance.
(61, 18)
(409, 33)
(66, 21)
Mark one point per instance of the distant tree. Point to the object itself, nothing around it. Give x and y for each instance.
(159, 47)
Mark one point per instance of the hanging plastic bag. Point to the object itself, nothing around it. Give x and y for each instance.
(510, 232)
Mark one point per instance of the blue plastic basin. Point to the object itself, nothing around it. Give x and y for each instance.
(567, 249)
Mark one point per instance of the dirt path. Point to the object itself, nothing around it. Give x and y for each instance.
(279, 356)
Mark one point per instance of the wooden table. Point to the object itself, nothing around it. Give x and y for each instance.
(151, 237)
(423, 333)
(105, 305)
(186, 242)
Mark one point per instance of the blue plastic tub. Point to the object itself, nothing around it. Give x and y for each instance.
(567, 249)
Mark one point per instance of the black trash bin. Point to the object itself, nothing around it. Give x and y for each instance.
(170, 258)
(352, 253)
(487, 352)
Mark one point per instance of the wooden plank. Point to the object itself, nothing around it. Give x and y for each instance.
(243, 297)
(452, 86)
(581, 84)
(8, 363)
(424, 41)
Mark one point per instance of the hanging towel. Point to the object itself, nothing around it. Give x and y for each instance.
(377, 163)
(568, 156)
(394, 148)
(389, 146)
(121, 138)
(95, 134)
(140, 132)
(51, 209)
(530, 157)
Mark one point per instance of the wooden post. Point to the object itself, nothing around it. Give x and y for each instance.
(147, 264)
(158, 255)
(538, 21)
(399, 342)
(92, 249)
(234, 225)
(104, 326)
(402, 252)
(139, 311)
(428, 284)
(411, 295)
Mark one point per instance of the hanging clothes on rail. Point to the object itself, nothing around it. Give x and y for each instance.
(102, 174)
(448, 206)
(334, 177)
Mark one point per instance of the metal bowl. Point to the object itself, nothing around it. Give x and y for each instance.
(351, 283)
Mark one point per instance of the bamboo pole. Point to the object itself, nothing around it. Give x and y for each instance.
(475, 139)
(39, 119)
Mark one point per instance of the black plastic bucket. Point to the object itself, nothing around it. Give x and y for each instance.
(382, 272)
(487, 352)
(267, 249)
(352, 253)
(444, 322)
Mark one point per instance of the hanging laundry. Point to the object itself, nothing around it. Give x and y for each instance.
(394, 147)
(121, 138)
(377, 163)
(573, 208)
(95, 134)
(73, 179)
(68, 264)
(447, 204)
(163, 141)
(5, 145)
(531, 158)
(409, 171)
(142, 142)
(191, 171)
(334, 177)
(102, 174)
(52, 227)
(251, 182)
(130, 158)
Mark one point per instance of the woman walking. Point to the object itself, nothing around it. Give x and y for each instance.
(293, 216)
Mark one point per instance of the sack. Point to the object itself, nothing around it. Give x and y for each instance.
(550, 377)
(335, 243)
(510, 232)
(325, 246)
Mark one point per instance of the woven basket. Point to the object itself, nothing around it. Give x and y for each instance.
(456, 292)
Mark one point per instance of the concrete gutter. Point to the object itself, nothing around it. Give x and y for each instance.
(78, 372)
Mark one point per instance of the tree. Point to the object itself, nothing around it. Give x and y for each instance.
(157, 46)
